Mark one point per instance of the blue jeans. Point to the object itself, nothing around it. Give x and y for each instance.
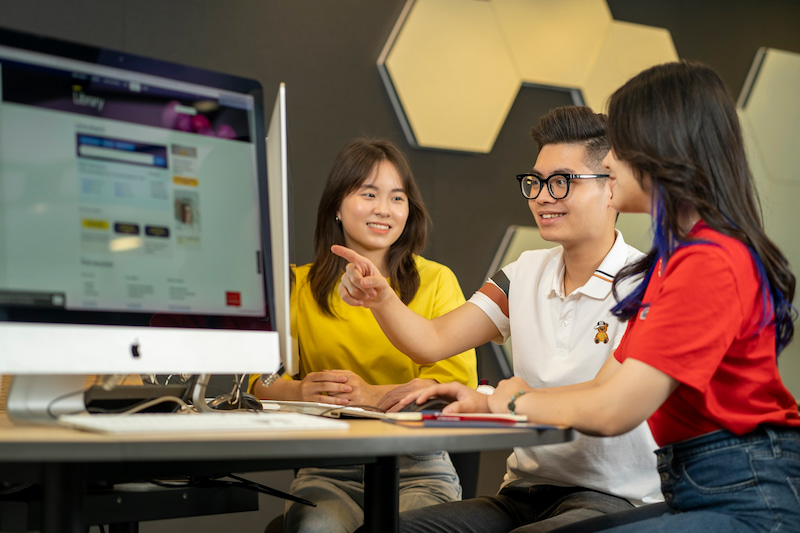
(339, 492)
(721, 482)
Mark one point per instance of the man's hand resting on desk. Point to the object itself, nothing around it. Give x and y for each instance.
(391, 398)
(467, 400)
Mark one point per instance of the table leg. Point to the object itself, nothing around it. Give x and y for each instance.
(63, 498)
(382, 495)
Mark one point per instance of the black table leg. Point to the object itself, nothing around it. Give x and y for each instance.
(63, 498)
(382, 495)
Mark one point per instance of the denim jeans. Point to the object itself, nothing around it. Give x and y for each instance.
(721, 482)
(339, 492)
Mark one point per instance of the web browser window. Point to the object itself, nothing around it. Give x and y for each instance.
(138, 188)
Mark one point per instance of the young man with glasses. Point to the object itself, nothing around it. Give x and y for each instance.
(552, 302)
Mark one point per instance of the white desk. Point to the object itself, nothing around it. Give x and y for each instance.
(65, 460)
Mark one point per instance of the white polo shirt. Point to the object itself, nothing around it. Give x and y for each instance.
(561, 340)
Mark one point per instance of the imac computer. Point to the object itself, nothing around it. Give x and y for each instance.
(134, 222)
(278, 173)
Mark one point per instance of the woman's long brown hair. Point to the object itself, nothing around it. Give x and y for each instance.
(354, 164)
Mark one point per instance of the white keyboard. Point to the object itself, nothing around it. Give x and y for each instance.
(200, 422)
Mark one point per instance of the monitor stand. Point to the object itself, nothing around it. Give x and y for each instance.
(36, 399)
(41, 399)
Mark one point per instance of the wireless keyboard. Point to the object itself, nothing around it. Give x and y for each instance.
(200, 422)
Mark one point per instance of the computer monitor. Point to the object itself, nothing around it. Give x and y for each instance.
(278, 174)
(133, 221)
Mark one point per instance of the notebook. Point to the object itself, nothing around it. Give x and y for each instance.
(413, 419)
(329, 410)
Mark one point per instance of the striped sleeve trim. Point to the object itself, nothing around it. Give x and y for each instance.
(496, 289)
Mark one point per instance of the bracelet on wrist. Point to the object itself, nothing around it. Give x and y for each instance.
(512, 402)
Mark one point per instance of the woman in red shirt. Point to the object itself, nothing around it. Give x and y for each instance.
(710, 312)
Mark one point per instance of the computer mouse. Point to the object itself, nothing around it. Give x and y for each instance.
(431, 404)
(246, 401)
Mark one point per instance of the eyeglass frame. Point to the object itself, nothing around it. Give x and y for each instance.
(546, 181)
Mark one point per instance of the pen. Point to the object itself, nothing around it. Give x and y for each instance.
(270, 379)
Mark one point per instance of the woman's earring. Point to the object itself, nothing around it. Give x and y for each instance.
(338, 220)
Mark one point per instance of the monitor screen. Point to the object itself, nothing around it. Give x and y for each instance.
(133, 215)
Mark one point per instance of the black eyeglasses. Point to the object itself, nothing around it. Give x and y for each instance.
(557, 184)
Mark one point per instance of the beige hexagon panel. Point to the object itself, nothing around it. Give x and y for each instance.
(769, 109)
(453, 68)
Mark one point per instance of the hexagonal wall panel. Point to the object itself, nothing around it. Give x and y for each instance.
(453, 67)
(452, 75)
(626, 50)
(760, 174)
(769, 109)
(772, 107)
(549, 41)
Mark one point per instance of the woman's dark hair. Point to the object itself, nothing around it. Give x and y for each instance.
(351, 168)
(677, 124)
(575, 125)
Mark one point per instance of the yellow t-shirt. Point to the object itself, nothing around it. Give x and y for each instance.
(352, 339)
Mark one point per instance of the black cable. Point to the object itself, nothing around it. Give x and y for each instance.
(243, 483)
(258, 487)
(12, 489)
(171, 484)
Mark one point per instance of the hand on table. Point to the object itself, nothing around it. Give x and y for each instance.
(324, 386)
(360, 392)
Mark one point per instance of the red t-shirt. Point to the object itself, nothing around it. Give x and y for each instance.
(703, 328)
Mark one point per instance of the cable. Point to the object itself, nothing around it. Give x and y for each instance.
(243, 483)
(144, 405)
(170, 484)
(13, 489)
(258, 487)
(155, 401)
(57, 399)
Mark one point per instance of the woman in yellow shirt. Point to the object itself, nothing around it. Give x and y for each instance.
(370, 203)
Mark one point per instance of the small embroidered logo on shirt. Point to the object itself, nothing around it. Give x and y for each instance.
(601, 336)
(643, 313)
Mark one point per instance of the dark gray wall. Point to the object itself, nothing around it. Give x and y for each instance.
(325, 50)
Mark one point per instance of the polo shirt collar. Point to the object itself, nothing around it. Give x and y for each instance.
(599, 285)
(557, 287)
